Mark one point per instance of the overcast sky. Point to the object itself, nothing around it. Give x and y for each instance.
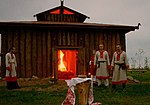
(119, 12)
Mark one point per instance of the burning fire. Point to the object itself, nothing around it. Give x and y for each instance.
(66, 64)
(61, 65)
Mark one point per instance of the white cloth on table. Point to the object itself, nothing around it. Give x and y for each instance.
(70, 97)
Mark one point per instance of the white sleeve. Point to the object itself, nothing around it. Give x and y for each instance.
(7, 60)
(113, 58)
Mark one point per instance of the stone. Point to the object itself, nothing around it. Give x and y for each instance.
(130, 78)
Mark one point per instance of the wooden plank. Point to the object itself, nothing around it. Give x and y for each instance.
(118, 38)
(44, 46)
(100, 37)
(80, 38)
(84, 65)
(55, 64)
(59, 39)
(17, 46)
(49, 55)
(81, 69)
(10, 39)
(87, 40)
(105, 41)
(123, 41)
(87, 59)
(113, 42)
(54, 39)
(22, 53)
(64, 38)
(34, 53)
(87, 52)
(39, 54)
(4, 45)
(75, 39)
(72, 39)
(91, 35)
(68, 38)
(3, 51)
(28, 54)
(65, 18)
(96, 42)
(109, 44)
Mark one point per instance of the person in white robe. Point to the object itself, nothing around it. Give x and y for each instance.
(102, 63)
(11, 65)
(119, 66)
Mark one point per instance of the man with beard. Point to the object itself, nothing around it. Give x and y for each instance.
(119, 65)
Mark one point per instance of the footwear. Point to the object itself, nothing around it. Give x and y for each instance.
(99, 82)
(106, 82)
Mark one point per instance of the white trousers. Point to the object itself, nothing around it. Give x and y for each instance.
(106, 82)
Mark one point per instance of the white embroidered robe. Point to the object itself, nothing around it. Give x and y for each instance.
(11, 65)
(101, 59)
(119, 73)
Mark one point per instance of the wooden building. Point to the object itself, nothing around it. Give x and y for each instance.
(38, 43)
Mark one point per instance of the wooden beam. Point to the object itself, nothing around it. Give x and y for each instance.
(22, 53)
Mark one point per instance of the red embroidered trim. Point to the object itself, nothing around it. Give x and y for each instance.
(70, 98)
(120, 82)
(118, 55)
(111, 67)
(8, 68)
(92, 57)
(12, 55)
(11, 79)
(102, 77)
(101, 54)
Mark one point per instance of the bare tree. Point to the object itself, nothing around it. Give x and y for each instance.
(139, 55)
(146, 66)
(133, 62)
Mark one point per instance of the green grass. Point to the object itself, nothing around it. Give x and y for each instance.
(14, 97)
(143, 77)
(136, 94)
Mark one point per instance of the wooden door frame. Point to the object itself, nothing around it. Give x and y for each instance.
(55, 60)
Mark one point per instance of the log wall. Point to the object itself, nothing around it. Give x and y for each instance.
(36, 49)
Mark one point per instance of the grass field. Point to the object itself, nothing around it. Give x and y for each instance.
(141, 76)
(136, 94)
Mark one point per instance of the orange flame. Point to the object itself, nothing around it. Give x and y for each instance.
(61, 65)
